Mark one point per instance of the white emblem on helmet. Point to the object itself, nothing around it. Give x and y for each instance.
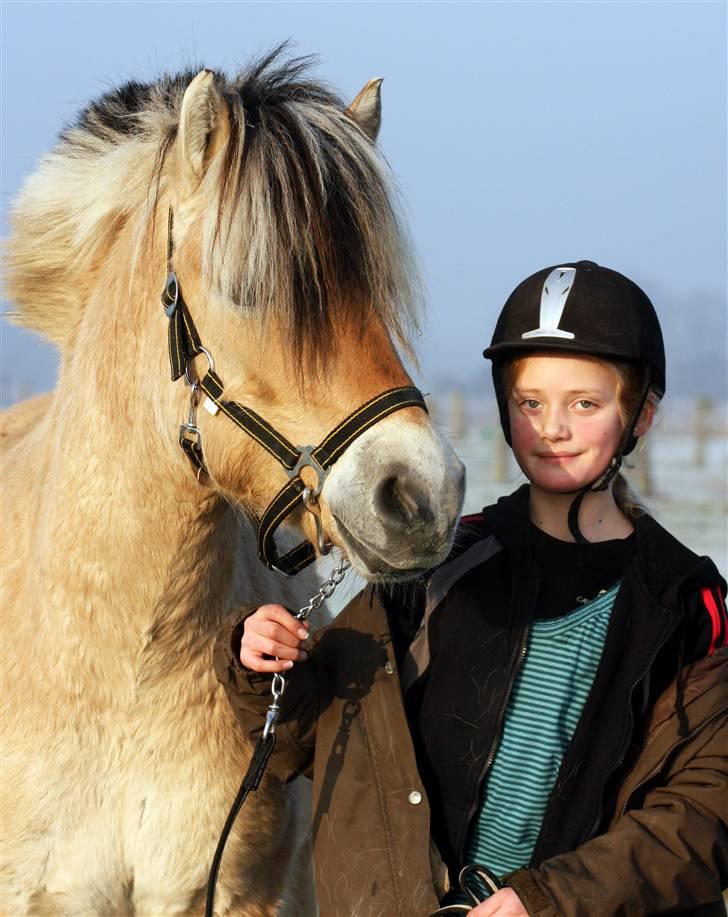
(553, 299)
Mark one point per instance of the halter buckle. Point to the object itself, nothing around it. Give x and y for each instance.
(306, 459)
(190, 433)
(190, 438)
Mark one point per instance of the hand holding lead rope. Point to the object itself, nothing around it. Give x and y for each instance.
(278, 685)
(266, 743)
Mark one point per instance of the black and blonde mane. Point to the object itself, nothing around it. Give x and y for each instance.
(298, 224)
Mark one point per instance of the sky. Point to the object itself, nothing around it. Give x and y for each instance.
(521, 135)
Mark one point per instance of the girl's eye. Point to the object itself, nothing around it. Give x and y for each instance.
(531, 403)
(585, 404)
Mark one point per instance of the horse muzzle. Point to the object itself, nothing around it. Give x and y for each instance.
(396, 499)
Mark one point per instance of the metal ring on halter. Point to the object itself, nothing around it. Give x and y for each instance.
(170, 294)
(311, 503)
(209, 360)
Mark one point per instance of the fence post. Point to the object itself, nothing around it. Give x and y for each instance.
(457, 416)
(502, 458)
(703, 412)
(643, 468)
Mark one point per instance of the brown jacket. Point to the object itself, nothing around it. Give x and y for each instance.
(344, 725)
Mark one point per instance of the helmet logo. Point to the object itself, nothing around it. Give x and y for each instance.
(555, 292)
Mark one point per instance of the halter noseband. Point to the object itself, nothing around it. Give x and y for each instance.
(184, 345)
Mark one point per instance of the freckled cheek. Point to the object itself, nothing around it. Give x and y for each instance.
(595, 433)
(523, 432)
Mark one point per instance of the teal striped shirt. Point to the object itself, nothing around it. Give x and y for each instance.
(546, 701)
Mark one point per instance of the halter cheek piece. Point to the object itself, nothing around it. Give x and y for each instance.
(184, 345)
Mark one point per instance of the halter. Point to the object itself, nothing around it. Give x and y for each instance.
(184, 346)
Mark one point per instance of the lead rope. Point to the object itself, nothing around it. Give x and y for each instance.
(267, 742)
(489, 880)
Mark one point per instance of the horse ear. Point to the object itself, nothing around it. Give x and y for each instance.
(366, 109)
(203, 126)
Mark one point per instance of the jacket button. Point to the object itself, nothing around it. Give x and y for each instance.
(415, 797)
(389, 668)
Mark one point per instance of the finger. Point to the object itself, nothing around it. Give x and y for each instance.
(486, 909)
(269, 630)
(256, 663)
(267, 646)
(283, 616)
(489, 907)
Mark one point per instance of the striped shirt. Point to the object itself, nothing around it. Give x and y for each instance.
(546, 701)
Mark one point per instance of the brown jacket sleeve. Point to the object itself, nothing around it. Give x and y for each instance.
(250, 696)
(671, 854)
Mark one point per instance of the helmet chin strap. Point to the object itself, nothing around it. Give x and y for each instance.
(602, 483)
(612, 470)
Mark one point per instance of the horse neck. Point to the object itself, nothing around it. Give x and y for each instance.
(144, 560)
(141, 545)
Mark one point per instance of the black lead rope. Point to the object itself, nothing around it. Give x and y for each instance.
(482, 875)
(266, 743)
(251, 781)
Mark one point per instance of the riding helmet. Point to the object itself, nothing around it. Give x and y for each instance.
(581, 308)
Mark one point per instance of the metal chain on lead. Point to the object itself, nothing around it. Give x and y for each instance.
(326, 590)
(278, 685)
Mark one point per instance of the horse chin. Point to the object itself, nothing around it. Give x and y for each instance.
(374, 567)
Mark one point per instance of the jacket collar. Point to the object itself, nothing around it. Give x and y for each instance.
(666, 567)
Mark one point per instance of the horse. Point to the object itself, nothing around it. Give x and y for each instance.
(267, 197)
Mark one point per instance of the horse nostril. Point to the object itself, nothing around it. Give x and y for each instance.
(400, 500)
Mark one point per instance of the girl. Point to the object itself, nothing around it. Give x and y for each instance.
(552, 701)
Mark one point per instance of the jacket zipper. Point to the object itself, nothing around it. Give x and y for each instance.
(496, 741)
(663, 761)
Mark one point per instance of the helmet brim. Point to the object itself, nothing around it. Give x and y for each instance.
(590, 349)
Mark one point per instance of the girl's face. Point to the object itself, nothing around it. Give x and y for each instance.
(565, 420)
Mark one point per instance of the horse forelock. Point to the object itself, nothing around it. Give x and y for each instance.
(305, 225)
(300, 217)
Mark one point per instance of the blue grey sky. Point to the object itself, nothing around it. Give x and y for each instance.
(521, 134)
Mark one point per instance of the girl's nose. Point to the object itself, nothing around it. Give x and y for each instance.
(554, 426)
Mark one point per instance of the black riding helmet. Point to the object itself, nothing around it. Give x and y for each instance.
(584, 309)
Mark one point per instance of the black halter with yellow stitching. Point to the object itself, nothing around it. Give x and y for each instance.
(184, 345)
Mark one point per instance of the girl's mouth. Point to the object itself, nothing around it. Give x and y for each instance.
(557, 456)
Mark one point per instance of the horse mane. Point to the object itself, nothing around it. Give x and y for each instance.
(300, 221)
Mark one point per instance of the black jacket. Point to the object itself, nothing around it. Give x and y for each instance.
(460, 641)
